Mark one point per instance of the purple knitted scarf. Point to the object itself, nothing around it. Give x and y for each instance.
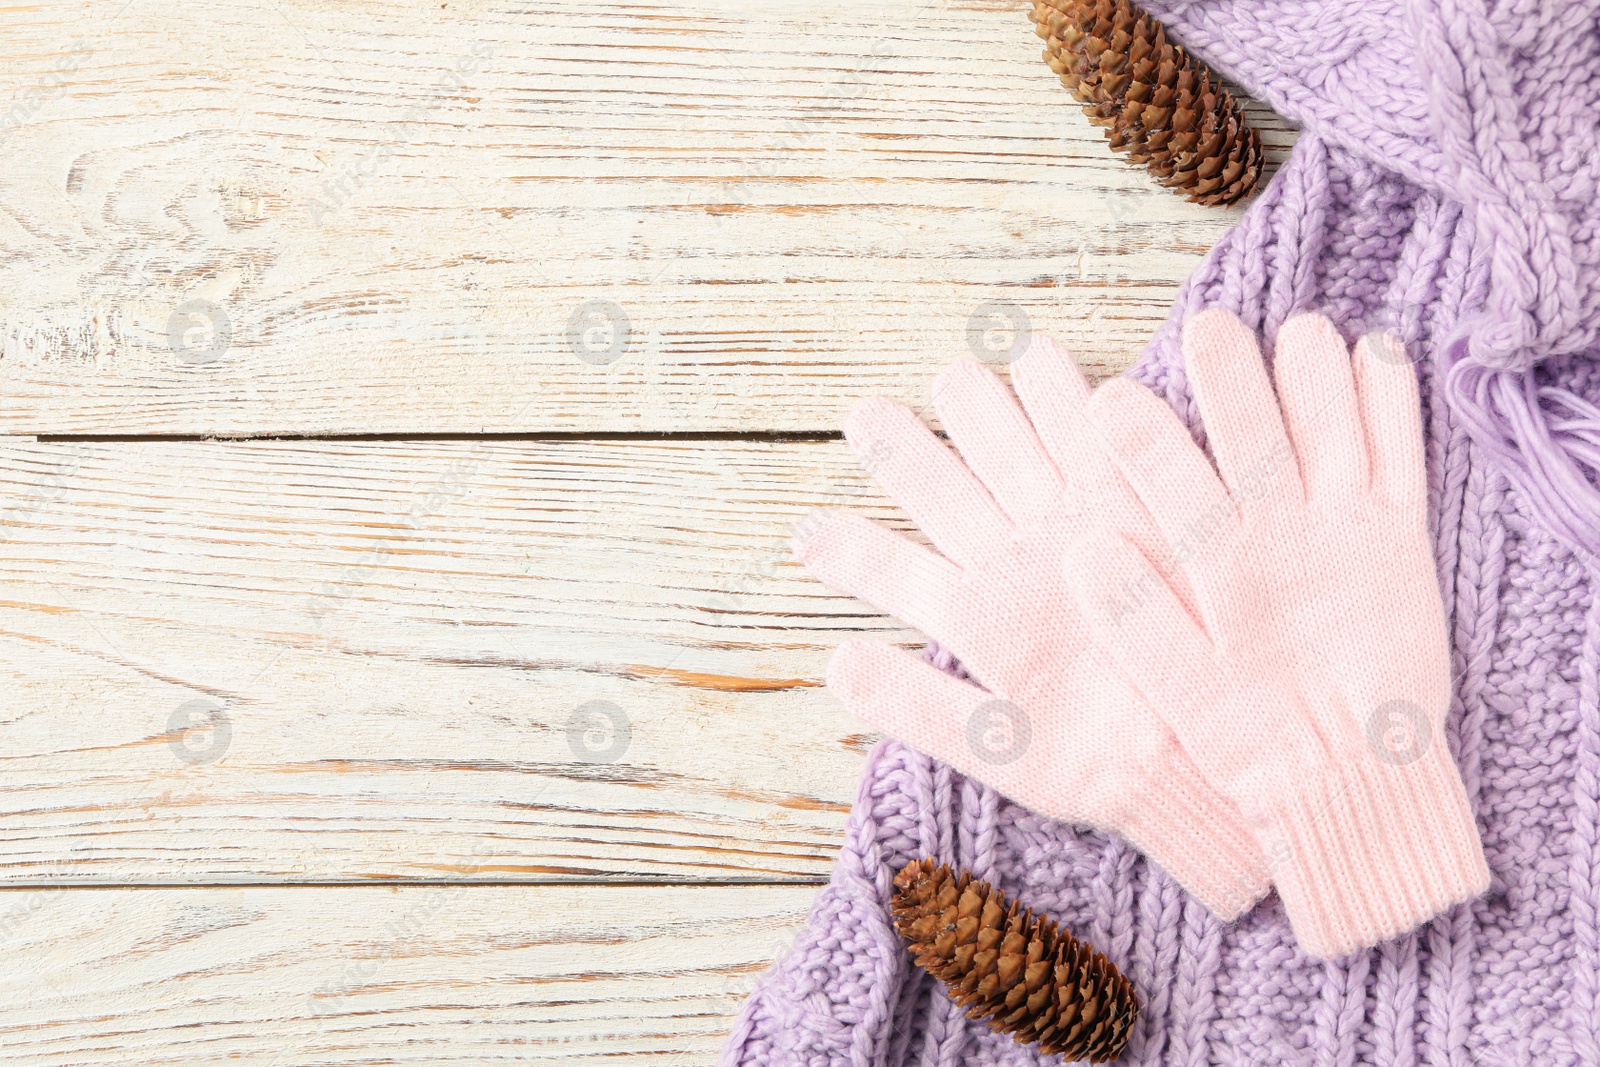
(1446, 185)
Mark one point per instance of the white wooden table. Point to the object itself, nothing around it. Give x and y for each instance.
(406, 405)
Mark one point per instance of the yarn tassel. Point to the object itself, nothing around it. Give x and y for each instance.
(1545, 440)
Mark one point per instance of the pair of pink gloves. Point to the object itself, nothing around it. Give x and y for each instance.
(1241, 668)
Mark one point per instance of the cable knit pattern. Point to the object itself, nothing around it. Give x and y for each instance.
(1394, 211)
(1492, 105)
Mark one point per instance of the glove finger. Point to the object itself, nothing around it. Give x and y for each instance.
(1391, 411)
(1168, 472)
(1240, 410)
(943, 497)
(860, 557)
(978, 733)
(994, 437)
(1317, 387)
(1055, 397)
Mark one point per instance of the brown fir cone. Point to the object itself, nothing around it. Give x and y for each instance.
(1039, 984)
(1159, 105)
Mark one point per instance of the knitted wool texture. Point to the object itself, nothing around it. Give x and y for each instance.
(1447, 191)
(1000, 519)
(1322, 629)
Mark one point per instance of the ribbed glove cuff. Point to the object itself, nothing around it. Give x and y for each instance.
(1374, 851)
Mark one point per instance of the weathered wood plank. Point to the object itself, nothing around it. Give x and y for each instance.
(304, 661)
(458, 975)
(311, 217)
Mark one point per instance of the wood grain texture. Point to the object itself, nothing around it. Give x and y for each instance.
(452, 975)
(323, 661)
(314, 217)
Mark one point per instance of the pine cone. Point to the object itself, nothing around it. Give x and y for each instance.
(1160, 105)
(1030, 980)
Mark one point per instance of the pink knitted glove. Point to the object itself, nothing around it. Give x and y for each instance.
(1058, 729)
(1313, 688)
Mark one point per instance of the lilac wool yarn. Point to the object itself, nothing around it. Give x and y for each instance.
(1446, 186)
